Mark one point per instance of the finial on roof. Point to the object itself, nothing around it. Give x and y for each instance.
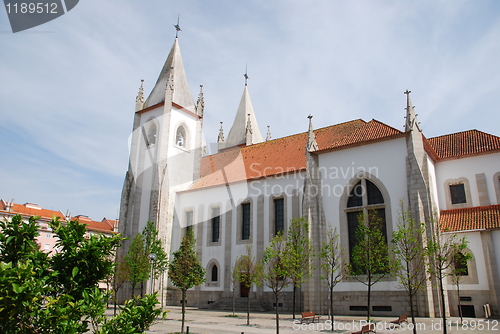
(248, 131)
(200, 104)
(312, 145)
(268, 137)
(140, 94)
(246, 75)
(139, 99)
(411, 116)
(220, 139)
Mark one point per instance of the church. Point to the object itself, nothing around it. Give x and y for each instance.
(254, 186)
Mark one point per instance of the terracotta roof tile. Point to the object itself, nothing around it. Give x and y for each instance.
(368, 132)
(466, 143)
(477, 218)
(284, 155)
(33, 210)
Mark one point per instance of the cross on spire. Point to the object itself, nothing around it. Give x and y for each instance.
(177, 27)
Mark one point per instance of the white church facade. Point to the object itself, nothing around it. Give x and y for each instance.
(253, 186)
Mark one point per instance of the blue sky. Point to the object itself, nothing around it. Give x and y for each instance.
(68, 87)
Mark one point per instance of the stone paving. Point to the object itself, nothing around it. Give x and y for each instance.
(215, 322)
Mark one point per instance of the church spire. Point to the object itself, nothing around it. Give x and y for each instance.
(312, 145)
(139, 100)
(245, 114)
(172, 72)
(411, 116)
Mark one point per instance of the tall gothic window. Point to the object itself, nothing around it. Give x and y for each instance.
(365, 200)
(279, 216)
(245, 221)
(215, 273)
(215, 224)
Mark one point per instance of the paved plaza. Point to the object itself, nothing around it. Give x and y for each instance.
(214, 322)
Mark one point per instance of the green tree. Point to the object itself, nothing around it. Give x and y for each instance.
(459, 269)
(185, 270)
(300, 254)
(154, 245)
(331, 255)
(138, 262)
(276, 270)
(442, 249)
(41, 294)
(120, 277)
(247, 273)
(370, 260)
(410, 257)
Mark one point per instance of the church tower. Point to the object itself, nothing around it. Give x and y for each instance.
(245, 130)
(165, 151)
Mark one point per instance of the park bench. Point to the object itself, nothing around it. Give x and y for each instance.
(309, 317)
(400, 320)
(369, 328)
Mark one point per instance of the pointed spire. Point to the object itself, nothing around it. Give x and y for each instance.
(220, 138)
(411, 116)
(238, 133)
(200, 104)
(268, 137)
(172, 72)
(312, 146)
(139, 100)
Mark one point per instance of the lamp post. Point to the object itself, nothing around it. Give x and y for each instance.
(152, 258)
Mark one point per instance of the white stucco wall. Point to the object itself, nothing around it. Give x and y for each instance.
(468, 167)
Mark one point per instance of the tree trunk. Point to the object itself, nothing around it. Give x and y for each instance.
(248, 306)
(331, 305)
(293, 302)
(459, 304)
(443, 306)
(183, 309)
(277, 314)
(369, 297)
(412, 313)
(234, 300)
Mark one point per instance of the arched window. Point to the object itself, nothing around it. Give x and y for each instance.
(215, 273)
(180, 137)
(152, 135)
(365, 201)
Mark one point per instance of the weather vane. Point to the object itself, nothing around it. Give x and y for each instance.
(177, 27)
(246, 74)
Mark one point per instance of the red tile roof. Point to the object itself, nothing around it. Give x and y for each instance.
(35, 210)
(287, 154)
(477, 218)
(466, 143)
(31, 210)
(94, 225)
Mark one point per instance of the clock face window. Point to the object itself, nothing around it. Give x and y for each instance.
(180, 137)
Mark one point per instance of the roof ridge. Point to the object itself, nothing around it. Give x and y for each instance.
(482, 207)
(463, 132)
